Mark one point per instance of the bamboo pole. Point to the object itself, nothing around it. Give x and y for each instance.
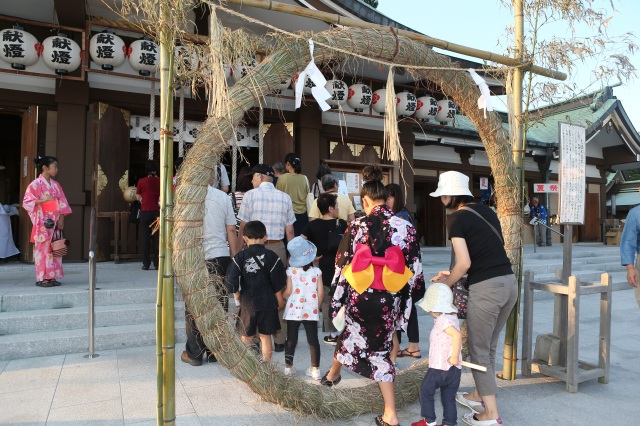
(167, 47)
(332, 18)
(510, 355)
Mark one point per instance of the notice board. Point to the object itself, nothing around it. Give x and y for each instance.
(572, 173)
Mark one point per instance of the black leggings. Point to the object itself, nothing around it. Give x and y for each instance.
(311, 329)
(413, 332)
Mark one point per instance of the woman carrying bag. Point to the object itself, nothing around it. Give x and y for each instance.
(47, 206)
(476, 237)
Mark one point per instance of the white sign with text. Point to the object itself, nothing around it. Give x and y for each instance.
(572, 172)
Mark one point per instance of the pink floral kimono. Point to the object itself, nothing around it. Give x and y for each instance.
(47, 266)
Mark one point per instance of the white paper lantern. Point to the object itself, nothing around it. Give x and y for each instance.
(378, 101)
(308, 84)
(359, 97)
(144, 56)
(338, 90)
(446, 111)
(62, 54)
(427, 107)
(284, 85)
(19, 48)
(406, 104)
(242, 69)
(107, 50)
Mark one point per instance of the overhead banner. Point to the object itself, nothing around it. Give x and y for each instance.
(572, 173)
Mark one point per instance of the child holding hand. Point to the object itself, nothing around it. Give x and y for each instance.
(303, 293)
(445, 343)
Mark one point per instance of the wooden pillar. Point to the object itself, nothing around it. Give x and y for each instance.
(72, 98)
(307, 135)
(407, 141)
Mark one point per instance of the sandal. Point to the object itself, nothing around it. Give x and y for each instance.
(44, 283)
(56, 283)
(327, 382)
(407, 352)
(381, 422)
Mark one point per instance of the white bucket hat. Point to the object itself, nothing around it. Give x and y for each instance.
(439, 298)
(452, 183)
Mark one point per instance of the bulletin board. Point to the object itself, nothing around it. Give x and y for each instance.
(349, 177)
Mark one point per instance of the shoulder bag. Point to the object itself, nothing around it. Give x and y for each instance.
(334, 238)
(59, 243)
(461, 288)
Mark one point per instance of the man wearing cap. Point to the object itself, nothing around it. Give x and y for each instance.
(275, 209)
(539, 213)
(346, 211)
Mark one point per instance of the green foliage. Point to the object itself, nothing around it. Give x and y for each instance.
(634, 174)
(372, 3)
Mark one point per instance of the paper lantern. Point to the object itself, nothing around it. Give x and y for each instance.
(144, 56)
(242, 69)
(406, 104)
(130, 194)
(359, 97)
(308, 84)
(338, 90)
(446, 111)
(427, 107)
(378, 101)
(61, 54)
(284, 85)
(19, 48)
(107, 50)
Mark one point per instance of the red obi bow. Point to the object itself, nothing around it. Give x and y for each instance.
(366, 270)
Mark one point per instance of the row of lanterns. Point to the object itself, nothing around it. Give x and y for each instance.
(62, 54)
(360, 96)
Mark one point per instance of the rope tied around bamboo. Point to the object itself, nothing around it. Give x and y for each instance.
(202, 296)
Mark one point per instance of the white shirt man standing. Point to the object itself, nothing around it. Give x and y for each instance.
(275, 209)
(220, 245)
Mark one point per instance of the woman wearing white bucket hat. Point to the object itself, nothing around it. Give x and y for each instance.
(478, 245)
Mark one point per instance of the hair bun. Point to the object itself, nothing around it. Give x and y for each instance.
(372, 173)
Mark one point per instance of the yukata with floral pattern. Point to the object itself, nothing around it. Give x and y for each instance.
(47, 266)
(373, 316)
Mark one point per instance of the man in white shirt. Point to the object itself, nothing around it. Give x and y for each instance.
(346, 211)
(275, 209)
(221, 178)
(220, 245)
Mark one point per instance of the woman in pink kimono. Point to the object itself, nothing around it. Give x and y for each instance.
(45, 200)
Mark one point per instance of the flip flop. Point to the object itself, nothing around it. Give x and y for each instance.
(381, 422)
(407, 352)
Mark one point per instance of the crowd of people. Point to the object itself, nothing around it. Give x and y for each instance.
(292, 254)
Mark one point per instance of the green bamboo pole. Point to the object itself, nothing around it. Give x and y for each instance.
(167, 47)
(510, 356)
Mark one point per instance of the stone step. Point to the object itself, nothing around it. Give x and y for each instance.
(59, 298)
(19, 322)
(44, 343)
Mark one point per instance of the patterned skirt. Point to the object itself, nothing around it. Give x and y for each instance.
(365, 344)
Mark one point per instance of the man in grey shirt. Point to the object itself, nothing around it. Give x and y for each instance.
(219, 241)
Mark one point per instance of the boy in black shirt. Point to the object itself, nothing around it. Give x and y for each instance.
(256, 276)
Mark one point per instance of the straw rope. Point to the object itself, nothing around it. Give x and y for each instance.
(202, 292)
(181, 124)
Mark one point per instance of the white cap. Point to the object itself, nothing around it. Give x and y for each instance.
(452, 183)
(439, 298)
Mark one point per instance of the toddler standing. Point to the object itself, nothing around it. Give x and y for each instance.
(444, 357)
(304, 290)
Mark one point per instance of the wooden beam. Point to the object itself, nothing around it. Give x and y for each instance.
(332, 18)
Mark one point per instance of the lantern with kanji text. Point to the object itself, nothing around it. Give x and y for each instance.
(406, 104)
(359, 97)
(446, 111)
(62, 54)
(426, 108)
(144, 56)
(308, 84)
(19, 48)
(242, 69)
(379, 100)
(338, 90)
(107, 50)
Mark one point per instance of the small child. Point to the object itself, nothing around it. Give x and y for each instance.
(444, 357)
(304, 291)
(256, 276)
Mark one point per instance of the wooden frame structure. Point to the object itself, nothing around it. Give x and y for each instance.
(574, 371)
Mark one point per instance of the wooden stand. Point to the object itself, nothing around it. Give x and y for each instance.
(573, 371)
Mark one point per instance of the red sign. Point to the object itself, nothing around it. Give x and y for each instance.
(539, 188)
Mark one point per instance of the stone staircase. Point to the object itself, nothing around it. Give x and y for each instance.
(36, 322)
